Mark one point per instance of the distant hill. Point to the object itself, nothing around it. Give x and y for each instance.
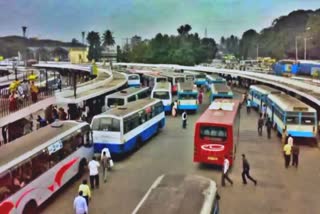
(10, 45)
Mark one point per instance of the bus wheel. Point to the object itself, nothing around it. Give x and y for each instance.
(81, 169)
(31, 208)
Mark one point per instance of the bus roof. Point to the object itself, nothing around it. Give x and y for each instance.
(186, 86)
(28, 143)
(171, 74)
(162, 86)
(178, 193)
(219, 116)
(289, 103)
(265, 89)
(129, 108)
(221, 87)
(127, 92)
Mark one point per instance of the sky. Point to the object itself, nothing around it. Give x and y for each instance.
(65, 19)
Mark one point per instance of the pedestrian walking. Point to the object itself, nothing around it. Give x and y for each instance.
(94, 173)
(248, 105)
(80, 205)
(246, 171)
(174, 108)
(184, 119)
(4, 134)
(295, 155)
(260, 124)
(269, 127)
(200, 97)
(225, 172)
(34, 92)
(86, 192)
(264, 111)
(104, 164)
(287, 154)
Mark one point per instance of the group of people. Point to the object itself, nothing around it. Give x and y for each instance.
(81, 202)
(291, 150)
(22, 93)
(245, 171)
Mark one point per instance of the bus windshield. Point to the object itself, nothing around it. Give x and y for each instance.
(201, 76)
(106, 124)
(213, 133)
(163, 95)
(179, 79)
(133, 77)
(115, 102)
(161, 79)
(188, 96)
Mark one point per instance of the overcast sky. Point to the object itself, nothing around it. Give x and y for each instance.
(65, 19)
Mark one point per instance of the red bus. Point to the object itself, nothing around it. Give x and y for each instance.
(217, 132)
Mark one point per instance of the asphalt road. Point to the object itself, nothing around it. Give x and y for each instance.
(279, 190)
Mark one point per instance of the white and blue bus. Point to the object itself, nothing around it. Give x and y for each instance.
(125, 96)
(125, 128)
(151, 78)
(132, 78)
(258, 95)
(214, 78)
(199, 77)
(174, 79)
(162, 91)
(292, 117)
(220, 90)
(187, 96)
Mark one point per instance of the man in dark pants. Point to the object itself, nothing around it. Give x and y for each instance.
(269, 127)
(225, 172)
(4, 134)
(94, 173)
(260, 125)
(246, 170)
(295, 155)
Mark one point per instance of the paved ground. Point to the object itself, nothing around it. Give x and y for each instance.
(279, 190)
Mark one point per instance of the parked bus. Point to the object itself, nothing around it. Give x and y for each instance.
(199, 78)
(125, 96)
(189, 194)
(174, 79)
(187, 96)
(258, 95)
(150, 79)
(162, 91)
(216, 133)
(35, 166)
(133, 78)
(220, 90)
(214, 78)
(124, 128)
(292, 117)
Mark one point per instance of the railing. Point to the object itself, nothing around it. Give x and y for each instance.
(7, 107)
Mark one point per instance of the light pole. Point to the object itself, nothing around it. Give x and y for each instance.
(296, 48)
(305, 43)
(257, 51)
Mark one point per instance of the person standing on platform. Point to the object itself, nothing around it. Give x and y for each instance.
(225, 172)
(104, 162)
(260, 124)
(295, 155)
(94, 173)
(246, 170)
(248, 106)
(269, 127)
(86, 193)
(287, 154)
(34, 92)
(4, 134)
(80, 205)
(200, 96)
(184, 119)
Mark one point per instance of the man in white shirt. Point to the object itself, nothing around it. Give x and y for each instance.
(80, 205)
(94, 173)
(225, 172)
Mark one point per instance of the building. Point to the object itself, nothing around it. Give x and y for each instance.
(78, 55)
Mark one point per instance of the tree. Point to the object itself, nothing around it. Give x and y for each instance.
(184, 29)
(93, 39)
(248, 42)
(108, 39)
(74, 41)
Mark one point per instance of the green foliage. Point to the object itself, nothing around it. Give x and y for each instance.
(108, 38)
(93, 39)
(183, 49)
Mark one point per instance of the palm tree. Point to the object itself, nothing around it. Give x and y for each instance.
(83, 34)
(93, 39)
(24, 30)
(184, 29)
(108, 39)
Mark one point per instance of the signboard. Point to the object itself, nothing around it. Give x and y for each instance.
(55, 147)
(221, 106)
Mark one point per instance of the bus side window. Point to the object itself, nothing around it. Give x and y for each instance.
(40, 164)
(5, 185)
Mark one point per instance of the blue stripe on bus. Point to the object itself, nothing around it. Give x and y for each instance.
(133, 85)
(167, 108)
(254, 104)
(187, 107)
(200, 82)
(131, 143)
(301, 133)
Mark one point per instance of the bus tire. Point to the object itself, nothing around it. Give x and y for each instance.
(31, 208)
(81, 169)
